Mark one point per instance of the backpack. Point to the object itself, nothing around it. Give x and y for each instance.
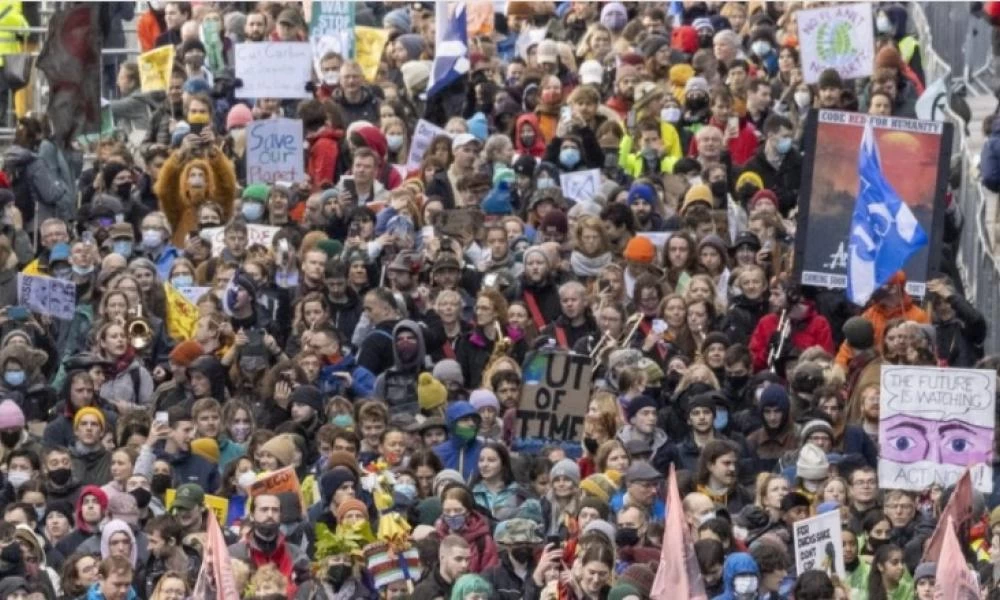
(20, 184)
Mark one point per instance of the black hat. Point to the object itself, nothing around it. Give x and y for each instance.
(707, 400)
(191, 45)
(308, 395)
(746, 238)
(243, 280)
(525, 165)
(793, 499)
(830, 78)
(859, 332)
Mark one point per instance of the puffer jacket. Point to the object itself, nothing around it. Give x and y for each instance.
(453, 452)
(49, 197)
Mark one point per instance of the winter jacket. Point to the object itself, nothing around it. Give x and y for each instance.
(545, 295)
(8, 287)
(960, 340)
(879, 317)
(91, 467)
(537, 148)
(324, 148)
(742, 318)
(501, 505)
(94, 593)
(132, 112)
(989, 159)
(813, 330)
(288, 558)
(433, 587)
(191, 468)
(133, 385)
(65, 164)
(474, 351)
(47, 196)
(376, 350)
(365, 109)
(398, 384)
(737, 563)
(741, 148)
(572, 334)
(506, 584)
(453, 452)
(352, 589)
(784, 181)
(483, 552)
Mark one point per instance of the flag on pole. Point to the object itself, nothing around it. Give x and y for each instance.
(678, 575)
(957, 511)
(884, 232)
(215, 579)
(953, 579)
(451, 46)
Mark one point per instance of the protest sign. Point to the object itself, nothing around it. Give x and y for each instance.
(933, 423)
(580, 185)
(278, 482)
(256, 234)
(47, 295)
(215, 577)
(369, 42)
(457, 222)
(274, 69)
(331, 29)
(555, 396)
(182, 314)
(71, 61)
(155, 67)
(914, 159)
(818, 544)
(677, 574)
(479, 18)
(274, 151)
(423, 135)
(839, 37)
(218, 505)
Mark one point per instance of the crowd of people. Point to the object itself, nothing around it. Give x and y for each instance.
(377, 352)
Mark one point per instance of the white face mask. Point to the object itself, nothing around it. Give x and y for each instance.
(883, 24)
(802, 99)
(745, 584)
(246, 479)
(18, 478)
(331, 78)
(671, 114)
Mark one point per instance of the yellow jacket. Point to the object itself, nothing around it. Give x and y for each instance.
(11, 17)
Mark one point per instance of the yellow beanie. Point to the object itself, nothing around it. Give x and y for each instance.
(89, 410)
(206, 448)
(698, 192)
(750, 177)
(431, 393)
(599, 486)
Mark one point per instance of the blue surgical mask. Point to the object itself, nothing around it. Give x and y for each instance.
(544, 183)
(343, 421)
(395, 142)
(454, 522)
(569, 157)
(783, 145)
(122, 248)
(83, 270)
(253, 211)
(883, 24)
(14, 378)
(407, 489)
(180, 281)
(721, 418)
(152, 238)
(760, 47)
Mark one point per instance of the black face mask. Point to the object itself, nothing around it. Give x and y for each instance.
(590, 444)
(696, 103)
(124, 190)
(60, 477)
(10, 438)
(627, 536)
(875, 543)
(704, 41)
(522, 555)
(160, 483)
(142, 497)
(719, 189)
(528, 140)
(737, 384)
(338, 574)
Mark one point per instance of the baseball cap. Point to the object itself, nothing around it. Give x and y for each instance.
(189, 496)
(463, 139)
(591, 72)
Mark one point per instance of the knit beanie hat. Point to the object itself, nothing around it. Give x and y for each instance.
(614, 16)
(239, 116)
(644, 192)
(185, 352)
(348, 505)
(124, 507)
(814, 426)
(695, 194)
(416, 75)
(81, 413)
(603, 527)
(924, 570)
(830, 78)
(859, 332)
(599, 486)
(429, 510)
(566, 468)
(640, 249)
(257, 192)
(774, 396)
(331, 481)
(696, 84)
(447, 475)
(431, 393)
(206, 448)
(601, 506)
(308, 395)
(11, 415)
(622, 590)
(640, 577)
(282, 448)
(812, 464)
(483, 398)
(448, 371)
(638, 403)
(555, 219)
(888, 58)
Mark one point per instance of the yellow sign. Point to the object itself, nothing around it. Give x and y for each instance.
(155, 67)
(369, 42)
(218, 506)
(182, 314)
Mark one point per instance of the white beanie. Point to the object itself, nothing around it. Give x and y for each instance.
(812, 464)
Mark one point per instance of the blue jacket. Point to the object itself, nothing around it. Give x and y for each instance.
(94, 593)
(453, 452)
(191, 468)
(989, 160)
(737, 563)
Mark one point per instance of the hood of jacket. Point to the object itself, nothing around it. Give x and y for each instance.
(18, 156)
(374, 139)
(117, 526)
(210, 367)
(898, 17)
(738, 563)
(459, 410)
(418, 360)
(538, 147)
(102, 499)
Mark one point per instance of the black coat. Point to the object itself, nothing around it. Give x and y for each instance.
(474, 351)
(960, 340)
(741, 319)
(506, 584)
(783, 181)
(376, 352)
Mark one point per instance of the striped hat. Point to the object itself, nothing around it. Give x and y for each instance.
(388, 567)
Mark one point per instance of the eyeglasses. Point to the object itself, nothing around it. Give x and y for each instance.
(865, 483)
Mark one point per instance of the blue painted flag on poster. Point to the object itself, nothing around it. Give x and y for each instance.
(884, 231)
(451, 51)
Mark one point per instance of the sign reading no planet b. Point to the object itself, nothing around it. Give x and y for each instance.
(554, 397)
(274, 151)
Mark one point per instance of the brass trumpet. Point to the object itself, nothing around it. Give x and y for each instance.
(140, 335)
(607, 342)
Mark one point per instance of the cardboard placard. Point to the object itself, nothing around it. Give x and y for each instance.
(580, 185)
(275, 151)
(331, 29)
(933, 423)
(369, 43)
(273, 69)
(457, 222)
(278, 482)
(256, 234)
(818, 544)
(47, 295)
(155, 67)
(423, 135)
(555, 396)
(217, 504)
(839, 37)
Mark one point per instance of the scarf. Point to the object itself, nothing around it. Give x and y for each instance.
(587, 266)
(123, 362)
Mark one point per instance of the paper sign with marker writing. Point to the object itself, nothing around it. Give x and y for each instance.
(331, 29)
(554, 397)
(274, 151)
(839, 37)
(273, 69)
(933, 423)
(256, 234)
(580, 185)
(818, 544)
(154, 69)
(47, 295)
(423, 135)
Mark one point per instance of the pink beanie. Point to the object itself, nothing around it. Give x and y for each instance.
(239, 116)
(11, 416)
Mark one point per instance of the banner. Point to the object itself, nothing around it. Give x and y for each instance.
(331, 29)
(451, 47)
(580, 185)
(554, 397)
(155, 67)
(818, 544)
(914, 161)
(275, 151)
(71, 61)
(217, 504)
(423, 135)
(273, 69)
(933, 423)
(256, 234)
(211, 38)
(957, 512)
(678, 574)
(839, 37)
(369, 45)
(215, 578)
(182, 315)
(47, 296)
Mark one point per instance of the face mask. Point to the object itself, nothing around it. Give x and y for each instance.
(406, 489)
(331, 78)
(60, 477)
(544, 183)
(783, 145)
(650, 154)
(465, 433)
(14, 378)
(522, 555)
(18, 478)
(671, 114)
(591, 445)
(406, 349)
(736, 384)
(696, 104)
(528, 140)
(152, 238)
(122, 248)
(454, 522)
(876, 543)
(10, 438)
(550, 97)
(760, 48)
(338, 574)
(181, 281)
(246, 479)
(343, 421)
(83, 270)
(40, 513)
(802, 99)
(160, 483)
(704, 41)
(569, 157)
(142, 497)
(627, 536)
(883, 24)
(745, 584)
(395, 142)
(721, 418)
(719, 189)
(63, 273)
(123, 190)
(252, 211)
(266, 531)
(240, 433)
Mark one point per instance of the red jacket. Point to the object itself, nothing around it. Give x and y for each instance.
(324, 148)
(741, 148)
(483, 552)
(813, 330)
(537, 149)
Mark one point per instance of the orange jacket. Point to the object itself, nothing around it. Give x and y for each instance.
(879, 317)
(147, 29)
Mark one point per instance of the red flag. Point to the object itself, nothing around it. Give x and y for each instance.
(216, 568)
(678, 575)
(953, 579)
(71, 61)
(958, 509)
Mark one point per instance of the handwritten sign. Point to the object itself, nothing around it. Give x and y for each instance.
(278, 482)
(933, 423)
(256, 234)
(818, 544)
(331, 29)
(218, 505)
(274, 69)
(369, 42)
(580, 185)
(839, 37)
(47, 295)
(555, 396)
(423, 135)
(274, 151)
(155, 67)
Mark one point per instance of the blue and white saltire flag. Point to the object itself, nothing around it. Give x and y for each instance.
(884, 232)
(451, 46)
